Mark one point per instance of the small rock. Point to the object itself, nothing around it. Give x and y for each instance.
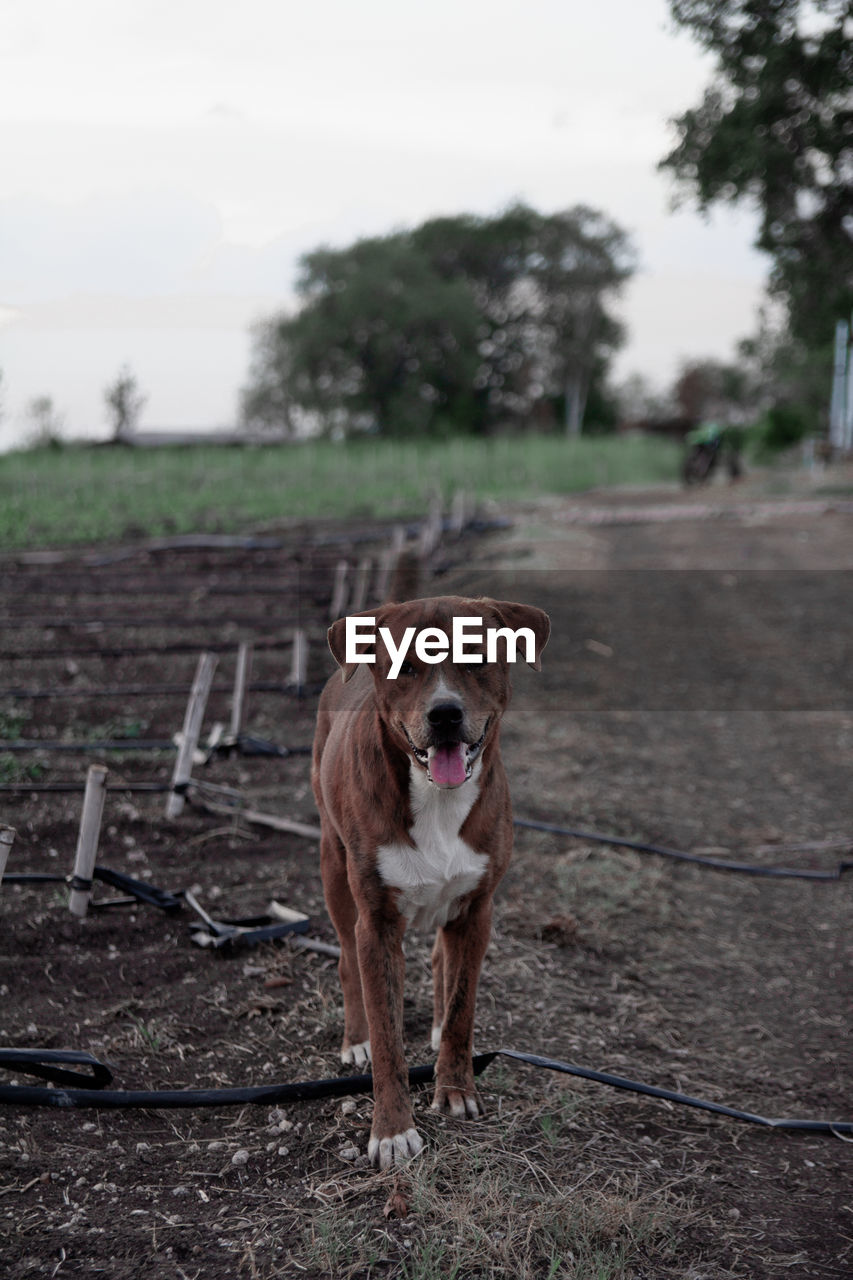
(348, 1153)
(283, 1151)
(349, 1106)
(240, 1157)
(216, 1145)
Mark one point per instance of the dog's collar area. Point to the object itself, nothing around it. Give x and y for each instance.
(471, 751)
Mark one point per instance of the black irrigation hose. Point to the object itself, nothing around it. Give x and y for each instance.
(90, 1093)
(715, 864)
(246, 744)
(135, 651)
(138, 889)
(256, 746)
(205, 931)
(160, 690)
(20, 745)
(77, 788)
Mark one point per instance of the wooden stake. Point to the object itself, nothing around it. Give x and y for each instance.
(191, 731)
(458, 512)
(360, 585)
(7, 839)
(302, 943)
(390, 556)
(204, 800)
(241, 686)
(87, 839)
(431, 528)
(339, 591)
(299, 662)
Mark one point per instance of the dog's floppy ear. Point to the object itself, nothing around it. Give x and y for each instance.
(516, 616)
(337, 635)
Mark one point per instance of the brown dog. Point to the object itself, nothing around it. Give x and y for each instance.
(417, 829)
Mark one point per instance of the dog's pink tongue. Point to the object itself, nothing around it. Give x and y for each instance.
(447, 766)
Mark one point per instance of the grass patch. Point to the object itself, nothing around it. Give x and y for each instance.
(77, 494)
(486, 1210)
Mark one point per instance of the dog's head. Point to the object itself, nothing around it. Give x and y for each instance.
(443, 713)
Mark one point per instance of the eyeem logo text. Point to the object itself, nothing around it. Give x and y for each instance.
(432, 644)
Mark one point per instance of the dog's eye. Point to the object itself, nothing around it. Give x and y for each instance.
(407, 669)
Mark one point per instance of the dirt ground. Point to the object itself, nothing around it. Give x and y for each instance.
(696, 693)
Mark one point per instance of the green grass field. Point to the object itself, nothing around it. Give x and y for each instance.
(55, 497)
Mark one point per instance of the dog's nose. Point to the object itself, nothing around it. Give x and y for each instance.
(445, 715)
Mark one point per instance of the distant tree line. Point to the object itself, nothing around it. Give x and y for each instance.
(464, 323)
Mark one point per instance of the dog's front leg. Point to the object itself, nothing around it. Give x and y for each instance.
(457, 960)
(393, 1136)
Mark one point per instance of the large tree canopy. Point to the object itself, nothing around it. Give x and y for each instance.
(776, 126)
(464, 322)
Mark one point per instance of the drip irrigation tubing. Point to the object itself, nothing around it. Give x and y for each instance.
(135, 651)
(205, 930)
(245, 745)
(142, 622)
(696, 859)
(78, 1089)
(78, 788)
(285, 584)
(732, 866)
(20, 745)
(156, 690)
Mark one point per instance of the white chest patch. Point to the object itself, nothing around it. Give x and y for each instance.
(441, 869)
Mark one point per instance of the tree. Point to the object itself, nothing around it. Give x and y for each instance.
(492, 256)
(581, 261)
(542, 284)
(712, 389)
(381, 343)
(776, 127)
(266, 404)
(465, 322)
(125, 403)
(45, 424)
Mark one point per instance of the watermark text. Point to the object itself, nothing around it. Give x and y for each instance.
(432, 644)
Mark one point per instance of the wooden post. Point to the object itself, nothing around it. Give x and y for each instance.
(390, 556)
(191, 731)
(7, 839)
(241, 686)
(87, 840)
(360, 585)
(339, 591)
(431, 528)
(299, 662)
(458, 512)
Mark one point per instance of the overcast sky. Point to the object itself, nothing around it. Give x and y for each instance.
(164, 164)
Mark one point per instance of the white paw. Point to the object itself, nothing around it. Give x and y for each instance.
(436, 1038)
(356, 1055)
(386, 1152)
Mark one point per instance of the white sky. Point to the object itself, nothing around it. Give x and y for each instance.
(164, 164)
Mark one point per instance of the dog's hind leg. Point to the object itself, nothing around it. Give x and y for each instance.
(355, 1047)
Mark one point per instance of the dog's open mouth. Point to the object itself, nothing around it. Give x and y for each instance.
(449, 764)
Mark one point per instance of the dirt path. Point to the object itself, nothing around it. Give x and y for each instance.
(696, 693)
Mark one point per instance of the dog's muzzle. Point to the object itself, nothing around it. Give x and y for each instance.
(448, 764)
